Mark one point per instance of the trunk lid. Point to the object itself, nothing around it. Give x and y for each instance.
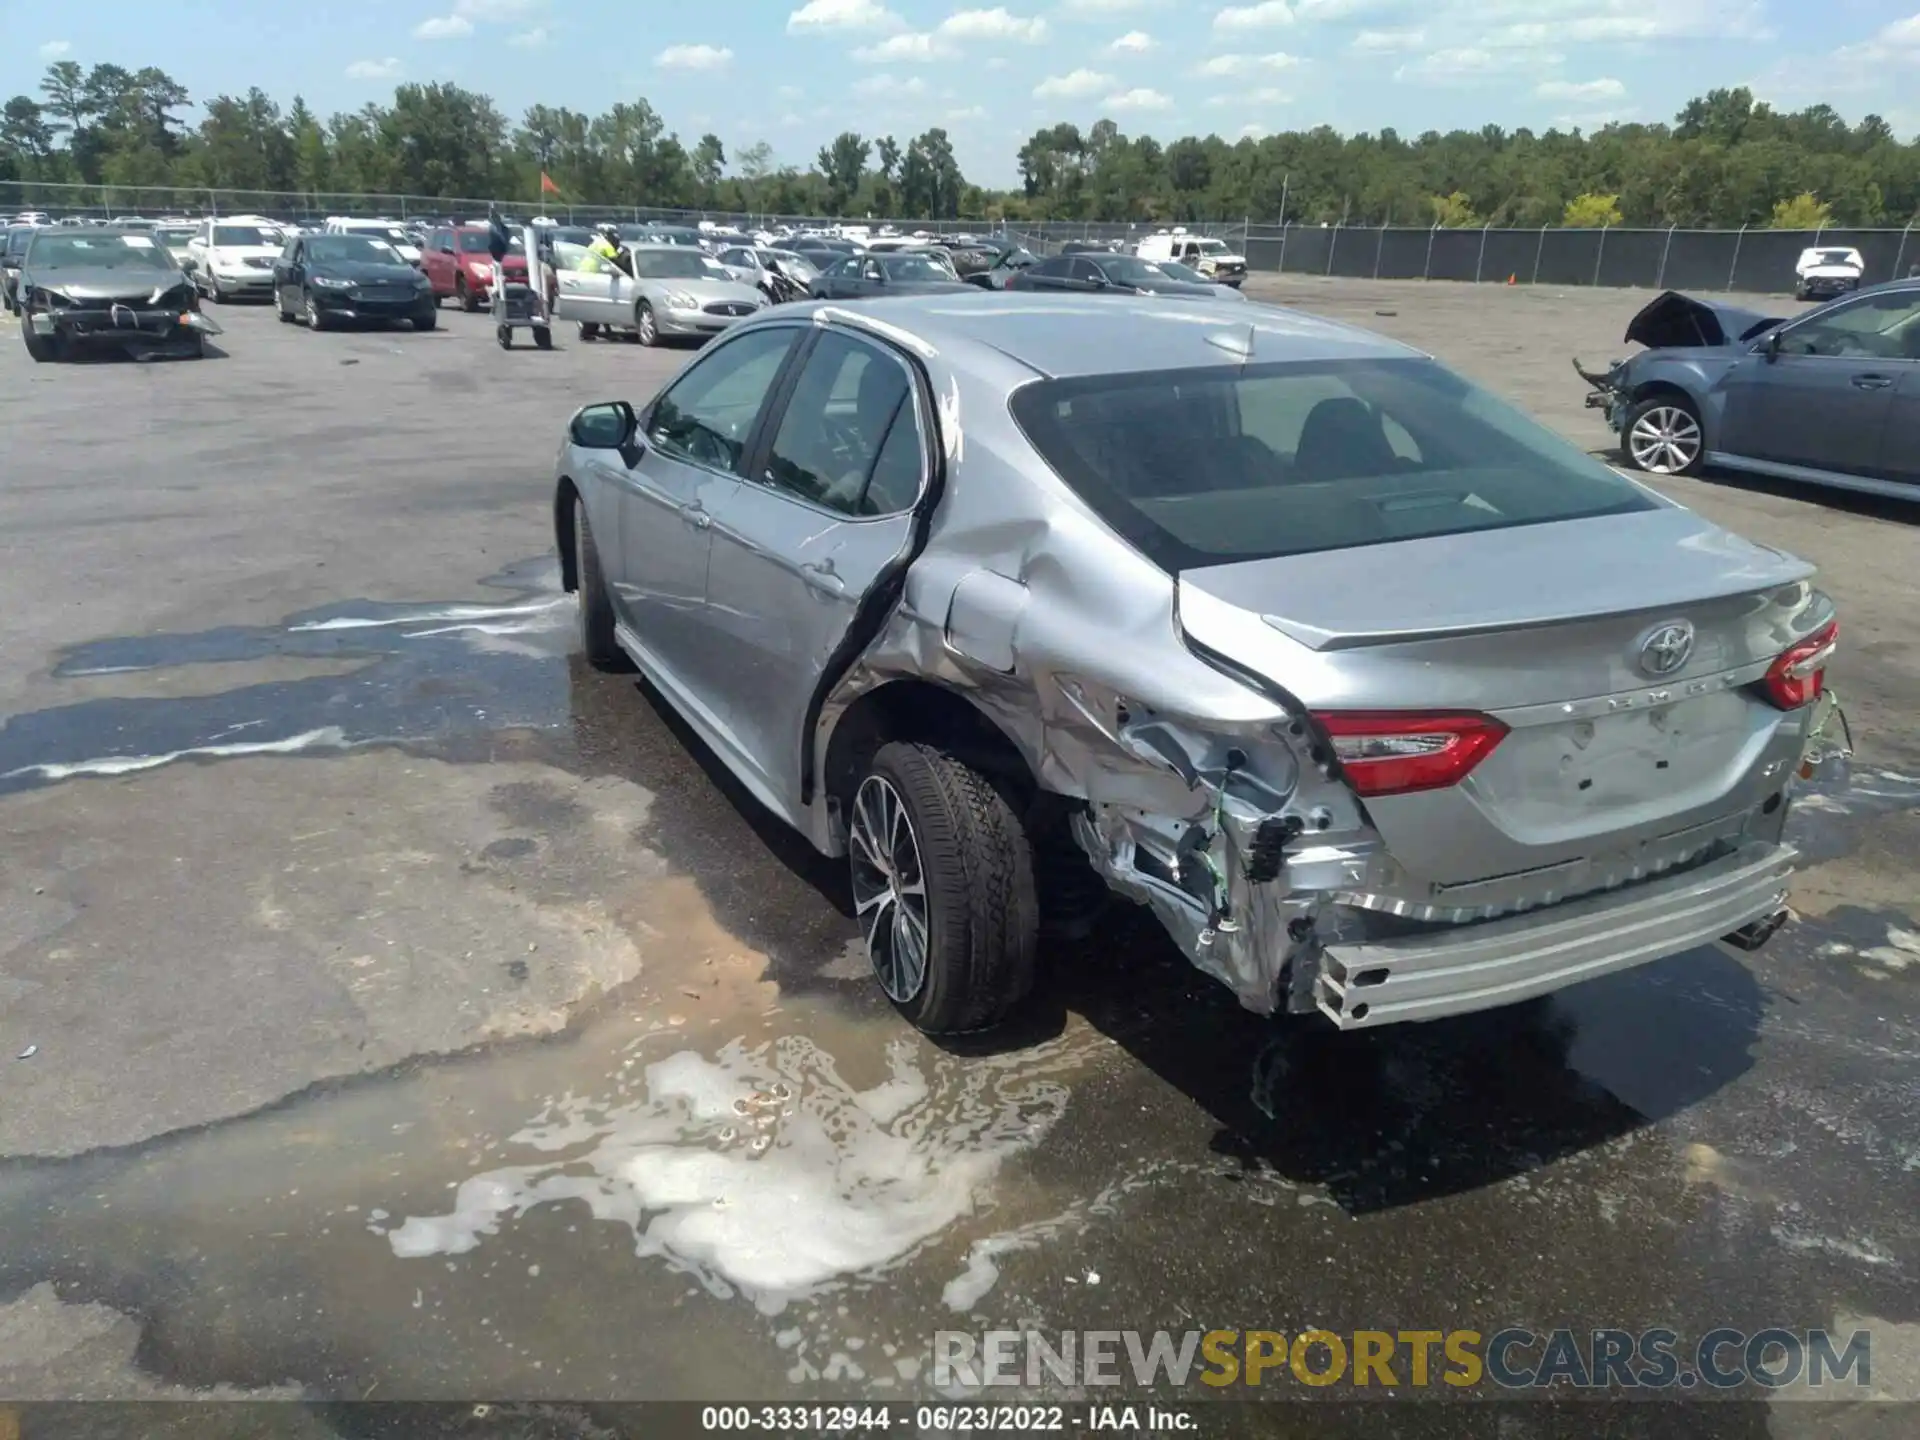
(1545, 627)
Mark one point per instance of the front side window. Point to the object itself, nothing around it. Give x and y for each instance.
(1207, 467)
(707, 414)
(1883, 326)
(836, 431)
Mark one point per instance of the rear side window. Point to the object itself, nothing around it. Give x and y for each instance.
(1207, 467)
(837, 426)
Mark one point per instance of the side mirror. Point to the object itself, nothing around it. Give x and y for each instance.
(608, 426)
(1770, 347)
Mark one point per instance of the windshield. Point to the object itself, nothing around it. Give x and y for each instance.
(1207, 467)
(674, 264)
(246, 235)
(98, 252)
(1174, 270)
(907, 266)
(474, 242)
(1210, 247)
(795, 265)
(392, 234)
(1126, 270)
(351, 249)
(176, 237)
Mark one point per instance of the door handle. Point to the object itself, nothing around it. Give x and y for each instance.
(822, 578)
(696, 515)
(1872, 382)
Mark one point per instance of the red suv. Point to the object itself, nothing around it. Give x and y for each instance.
(457, 263)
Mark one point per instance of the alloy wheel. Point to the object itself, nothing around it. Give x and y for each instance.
(889, 889)
(1665, 440)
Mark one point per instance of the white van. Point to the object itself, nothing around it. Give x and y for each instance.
(391, 231)
(1212, 258)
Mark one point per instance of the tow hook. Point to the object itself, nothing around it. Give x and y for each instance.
(1752, 936)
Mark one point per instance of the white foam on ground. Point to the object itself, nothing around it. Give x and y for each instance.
(423, 617)
(762, 1171)
(330, 736)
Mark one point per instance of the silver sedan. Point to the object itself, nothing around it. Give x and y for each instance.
(663, 291)
(1387, 702)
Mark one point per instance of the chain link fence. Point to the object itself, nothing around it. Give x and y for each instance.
(1756, 261)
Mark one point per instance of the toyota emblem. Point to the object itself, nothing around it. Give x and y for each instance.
(1667, 648)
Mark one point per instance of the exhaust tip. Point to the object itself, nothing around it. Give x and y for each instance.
(1753, 936)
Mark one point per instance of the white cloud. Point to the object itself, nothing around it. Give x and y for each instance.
(1076, 85)
(443, 27)
(1247, 64)
(890, 86)
(1605, 88)
(1265, 16)
(1140, 99)
(1900, 35)
(1382, 42)
(967, 115)
(790, 92)
(1134, 42)
(530, 39)
(54, 49)
(1341, 9)
(1104, 7)
(1474, 62)
(1261, 98)
(495, 9)
(387, 69)
(694, 57)
(994, 24)
(1253, 132)
(843, 15)
(909, 46)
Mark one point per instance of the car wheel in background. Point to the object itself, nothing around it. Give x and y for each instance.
(464, 295)
(943, 887)
(1662, 436)
(645, 329)
(219, 295)
(596, 607)
(542, 337)
(40, 347)
(589, 330)
(425, 319)
(280, 309)
(316, 317)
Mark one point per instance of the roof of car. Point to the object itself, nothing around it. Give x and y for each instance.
(1067, 335)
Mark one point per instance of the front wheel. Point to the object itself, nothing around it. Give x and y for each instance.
(597, 642)
(40, 348)
(465, 296)
(504, 334)
(645, 329)
(943, 887)
(315, 316)
(426, 319)
(1662, 436)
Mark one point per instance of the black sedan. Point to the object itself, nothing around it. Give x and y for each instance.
(109, 286)
(329, 280)
(900, 272)
(1114, 274)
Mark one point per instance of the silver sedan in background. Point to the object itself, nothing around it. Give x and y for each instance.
(1389, 703)
(665, 291)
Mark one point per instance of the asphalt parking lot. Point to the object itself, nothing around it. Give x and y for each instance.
(413, 1011)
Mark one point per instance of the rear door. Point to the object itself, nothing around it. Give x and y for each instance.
(584, 295)
(1900, 440)
(798, 546)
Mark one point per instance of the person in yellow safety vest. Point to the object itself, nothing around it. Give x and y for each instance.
(603, 251)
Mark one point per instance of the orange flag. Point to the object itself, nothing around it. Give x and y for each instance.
(547, 187)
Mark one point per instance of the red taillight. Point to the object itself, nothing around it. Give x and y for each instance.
(1800, 674)
(1394, 752)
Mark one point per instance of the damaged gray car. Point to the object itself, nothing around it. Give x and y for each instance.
(1389, 703)
(1828, 397)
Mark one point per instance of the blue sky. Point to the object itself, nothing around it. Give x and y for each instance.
(795, 72)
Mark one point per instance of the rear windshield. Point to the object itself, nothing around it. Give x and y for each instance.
(1207, 467)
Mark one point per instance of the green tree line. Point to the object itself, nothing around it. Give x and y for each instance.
(1726, 160)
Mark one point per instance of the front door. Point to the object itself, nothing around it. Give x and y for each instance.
(799, 544)
(584, 295)
(1900, 436)
(696, 437)
(1823, 400)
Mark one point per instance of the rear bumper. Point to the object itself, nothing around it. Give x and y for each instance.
(1500, 962)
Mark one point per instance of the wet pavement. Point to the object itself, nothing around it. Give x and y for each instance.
(415, 1012)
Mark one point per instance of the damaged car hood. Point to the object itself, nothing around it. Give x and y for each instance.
(1675, 322)
(108, 284)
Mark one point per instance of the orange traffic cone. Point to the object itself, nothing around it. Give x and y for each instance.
(1513, 279)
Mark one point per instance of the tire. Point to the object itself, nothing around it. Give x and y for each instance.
(280, 309)
(645, 329)
(979, 909)
(542, 337)
(464, 295)
(504, 334)
(603, 652)
(39, 347)
(316, 317)
(426, 319)
(1662, 436)
(589, 330)
(219, 295)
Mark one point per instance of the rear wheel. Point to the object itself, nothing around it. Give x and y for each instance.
(1662, 436)
(596, 609)
(943, 887)
(645, 329)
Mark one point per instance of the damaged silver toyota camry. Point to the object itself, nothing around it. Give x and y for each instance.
(1388, 702)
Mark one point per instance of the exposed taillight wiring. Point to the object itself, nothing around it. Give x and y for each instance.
(1799, 675)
